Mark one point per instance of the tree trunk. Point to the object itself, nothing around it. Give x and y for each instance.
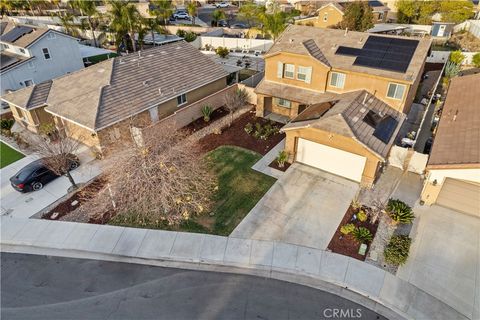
(70, 178)
(153, 37)
(132, 38)
(93, 32)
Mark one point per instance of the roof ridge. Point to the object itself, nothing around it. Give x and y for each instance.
(102, 91)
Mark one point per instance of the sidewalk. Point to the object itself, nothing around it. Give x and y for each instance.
(262, 164)
(360, 282)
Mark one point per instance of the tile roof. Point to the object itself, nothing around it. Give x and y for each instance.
(26, 38)
(346, 116)
(30, 97)
(457, 141)
(328, 40)
(315, 51)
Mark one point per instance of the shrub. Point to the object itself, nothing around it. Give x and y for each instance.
(7, 124)
(397, 249)
(206, 111)
(282, 158)
(457, 57)
(476, 60)
(222, 52)
(347, 228)
(181, 33)
(190, 36)
(248, 128)
(399, 211)
(451, 69)
(362, 216)
(356, 204)
(362, 235)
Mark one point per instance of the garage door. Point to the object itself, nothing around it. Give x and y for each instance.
(330, 159)
(460, 195)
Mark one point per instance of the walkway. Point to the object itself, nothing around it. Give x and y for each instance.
(349, 278)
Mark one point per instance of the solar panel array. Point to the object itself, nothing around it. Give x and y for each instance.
(385, 129)
(16, 33)
(390, 54)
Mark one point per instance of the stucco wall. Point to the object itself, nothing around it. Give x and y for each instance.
(333, 17)
(335, 141)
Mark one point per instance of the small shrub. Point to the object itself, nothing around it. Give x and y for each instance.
(457, 57)
(347, 228)
(282, 158)
(362, 235)
(190, 36)
(451, 69)
(356, 204)
(397, 249)
(476, 60)
(222, 52)
(399, 211)
(6, 126)
(362, 216)
(181, 33)
(248, 128)
(206, 112)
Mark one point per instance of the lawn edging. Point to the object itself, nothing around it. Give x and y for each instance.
(360, 282)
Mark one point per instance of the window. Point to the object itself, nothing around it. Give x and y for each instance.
(325, 17)
(51, 35)
(283, 103)
(6, 46)
(380, 16)
(395, 91)
(46, 53)
(289, 71)
(31, 65)
(181, 99)
(337, 80)
(28, 83)
(303, 73)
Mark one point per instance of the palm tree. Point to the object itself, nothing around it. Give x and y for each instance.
(274, 23)
(124, 19)
(163, 9)
(153, 25)
(66, 20)
(216, 16)
(192, 10)
(89, 9)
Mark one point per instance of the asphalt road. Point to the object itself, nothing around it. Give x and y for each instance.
(41, 287)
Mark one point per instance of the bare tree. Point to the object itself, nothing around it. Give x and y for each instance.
(235, 101)
(164, 179)
(58, 153)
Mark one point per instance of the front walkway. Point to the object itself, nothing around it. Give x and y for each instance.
(304, 207)
(262, 164)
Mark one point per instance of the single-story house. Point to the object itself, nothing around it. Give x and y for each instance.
(348, 134)
(107, 101)
(453, 169)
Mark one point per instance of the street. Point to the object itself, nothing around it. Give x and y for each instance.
(44, 287)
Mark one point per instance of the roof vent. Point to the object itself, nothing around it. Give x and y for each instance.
(455, 115)
(355, 119)
(370, 100)
(160, 91)
(362, 110)
(145, 83)
(365, 98)
(290, 40)
(121, 61)
(360, 41)
(139, 53)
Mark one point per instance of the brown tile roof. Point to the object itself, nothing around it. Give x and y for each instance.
(457, 141)
(328, 40)
(24, 40)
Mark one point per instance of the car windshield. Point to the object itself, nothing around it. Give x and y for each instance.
(24, 174)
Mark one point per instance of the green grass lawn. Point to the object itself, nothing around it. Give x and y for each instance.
(239, 189)
(8, 155)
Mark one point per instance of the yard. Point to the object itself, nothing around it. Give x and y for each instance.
(8, 155)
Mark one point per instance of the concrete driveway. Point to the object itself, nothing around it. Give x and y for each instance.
(304, 207)
(445, 258)
(25, 205)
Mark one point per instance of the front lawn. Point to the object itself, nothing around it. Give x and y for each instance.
(239, 189)
(8, 155)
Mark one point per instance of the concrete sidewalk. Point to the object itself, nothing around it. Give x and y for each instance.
(360, 282)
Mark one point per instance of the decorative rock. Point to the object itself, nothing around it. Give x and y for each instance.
(54, 215)
(74, 203)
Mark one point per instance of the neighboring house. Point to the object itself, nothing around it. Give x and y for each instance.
(110, 100)
(31, 55)
(331, 14)
(453, 169)
(310, 66)
(442, 29)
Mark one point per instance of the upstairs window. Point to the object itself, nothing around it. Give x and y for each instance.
(46, 53)
(337, 80)
(395, 91)
(182, 99)
(325, 17)
(289, 71)
(304, 74)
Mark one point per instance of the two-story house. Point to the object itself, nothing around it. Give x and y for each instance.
(31, 55)
(345, 94)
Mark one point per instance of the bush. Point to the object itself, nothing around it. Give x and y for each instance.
(206, 111)
(397, 249)
(476, 60)
(362, 216)
(457, 57)
(451, 69)
(222, 52)
(282, 158)
(248, 128)
(6, 126)
(362, 235)
(181, 33)
(399, 211)
(347, 228)
(190, 36)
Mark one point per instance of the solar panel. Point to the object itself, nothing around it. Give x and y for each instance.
(16, 33)
(347, 51)
(385, 129)
(315, 111)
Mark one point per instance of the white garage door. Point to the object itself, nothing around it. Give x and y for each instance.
(330, 159)
(460, 195)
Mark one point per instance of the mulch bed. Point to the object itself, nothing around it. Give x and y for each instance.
(235, 135)
(200, 123)
(274, 165)
(346, 244)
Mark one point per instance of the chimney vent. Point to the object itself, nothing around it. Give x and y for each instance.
(455, 115)
(346, 31)
(365, 98)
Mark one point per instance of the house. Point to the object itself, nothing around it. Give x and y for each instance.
(311, 66)
(110, 100)
(31, 55)
(331, 14)
(453, 169)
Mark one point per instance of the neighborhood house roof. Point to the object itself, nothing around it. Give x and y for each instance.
(357, 114)
(20, 35)
(457, 139)
(9, 60)
(113, 90)
(328, 41)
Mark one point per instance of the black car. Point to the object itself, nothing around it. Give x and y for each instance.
(35, 175)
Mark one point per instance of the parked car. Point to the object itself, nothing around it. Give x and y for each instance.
(35, 175)
(239, 26)
(222, 4)
(222, 23)
(181, 15)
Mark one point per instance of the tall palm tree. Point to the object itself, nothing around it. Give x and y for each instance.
(216, 16)
(274, 23)
(66, 20)
(124, 19)
(192, 10)
(162, 9)
(89, 9)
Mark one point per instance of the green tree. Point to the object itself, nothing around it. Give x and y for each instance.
(162, 9)
(456, 11)
(457, 57)
(476, 60)
(66, 20)
(251, 13)
(124, 20)
(89, 9)
(153, 25)
(192, 10)
(358, 17)
(217, 15)
(408, 11)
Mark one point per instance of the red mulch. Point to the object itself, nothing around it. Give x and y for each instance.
(274, 165)
(200, 123)
(346, 244)
(81, 196)
(235, 135)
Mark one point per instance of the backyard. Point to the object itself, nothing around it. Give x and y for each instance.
(8, 155)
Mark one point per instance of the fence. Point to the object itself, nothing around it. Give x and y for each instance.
(253, 80)
(240, 44)
(442, 57)
(472, 26)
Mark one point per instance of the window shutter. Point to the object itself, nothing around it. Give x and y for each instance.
(308, 76)
(279, 69)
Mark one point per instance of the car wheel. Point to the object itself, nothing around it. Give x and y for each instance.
(37, 186)
(74, 165)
